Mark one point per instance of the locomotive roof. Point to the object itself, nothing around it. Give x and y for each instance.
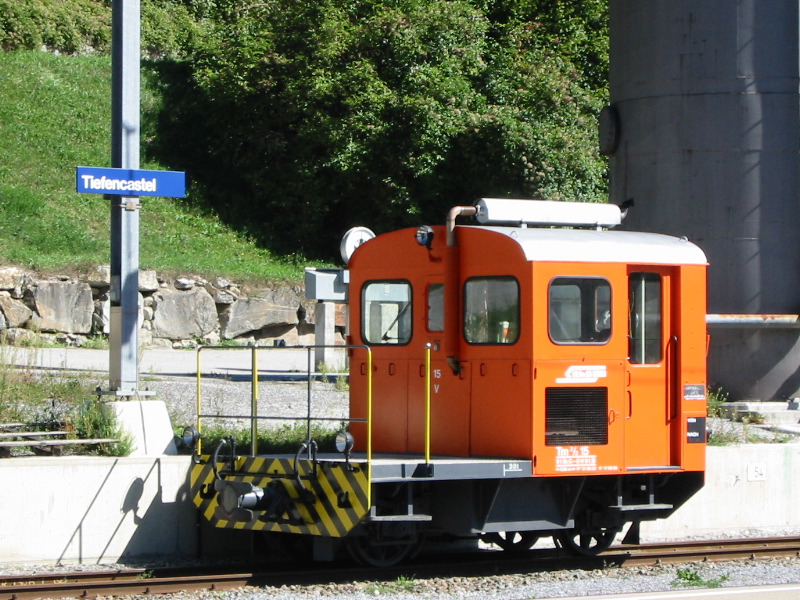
(586, 245)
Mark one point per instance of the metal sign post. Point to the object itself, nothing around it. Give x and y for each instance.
(124, 334)
(146, 422)
(122, 185)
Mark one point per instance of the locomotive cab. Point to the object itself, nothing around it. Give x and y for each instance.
(574, 352)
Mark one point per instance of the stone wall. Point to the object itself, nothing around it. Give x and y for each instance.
(180, 312)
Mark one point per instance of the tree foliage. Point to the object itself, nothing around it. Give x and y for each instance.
(387, 112)
(298, 119)
(70, 27)
(168, 27)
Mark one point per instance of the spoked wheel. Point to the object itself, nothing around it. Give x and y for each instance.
(586, 542)
(385, 546)
(513, 541)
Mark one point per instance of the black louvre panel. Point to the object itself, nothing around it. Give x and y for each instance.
(576, 416)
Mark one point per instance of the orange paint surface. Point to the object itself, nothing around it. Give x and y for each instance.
(511, 382)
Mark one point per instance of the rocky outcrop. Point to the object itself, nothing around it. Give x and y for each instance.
(183, 315)
(13, 280)
(15, 313)
(61, 306)
(176, 312)
(279, 306)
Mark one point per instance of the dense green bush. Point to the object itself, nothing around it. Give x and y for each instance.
(296, 119)
(320, 115)
(84, 26)
(69, 27)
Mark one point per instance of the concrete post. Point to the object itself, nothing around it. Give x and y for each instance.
(325, 335)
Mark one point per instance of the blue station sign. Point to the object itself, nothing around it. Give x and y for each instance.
(130, 182)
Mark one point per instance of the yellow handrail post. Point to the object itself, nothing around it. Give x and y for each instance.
(254, 403)
(199, 411)
(369, 428)
(427, 403)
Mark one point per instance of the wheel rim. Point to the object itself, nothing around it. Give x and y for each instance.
(587, 542)
(513, 541)
(379, 550)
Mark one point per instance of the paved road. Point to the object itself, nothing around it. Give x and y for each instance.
(767, 592)
(162, 361)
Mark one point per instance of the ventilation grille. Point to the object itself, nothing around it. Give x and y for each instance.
(576, 416)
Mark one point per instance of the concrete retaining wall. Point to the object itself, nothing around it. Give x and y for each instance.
(750, 489)
(94, 510)
(90, 510)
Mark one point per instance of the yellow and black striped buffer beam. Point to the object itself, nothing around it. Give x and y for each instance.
(327, 499)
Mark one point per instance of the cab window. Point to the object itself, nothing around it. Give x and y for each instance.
(645, 318)
(386, 312)
(491, 310)
(436, 307)
(579, 310)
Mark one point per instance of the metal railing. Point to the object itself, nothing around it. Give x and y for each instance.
(255, 375)
(311, 374)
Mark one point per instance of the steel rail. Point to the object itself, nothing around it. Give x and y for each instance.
(84, 584)
(90, 585)
(709, 551)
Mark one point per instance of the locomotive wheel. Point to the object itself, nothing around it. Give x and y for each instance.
(377, 549)
(586, 542)
(513, 541)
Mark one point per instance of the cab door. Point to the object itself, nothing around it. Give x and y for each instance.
(651, 403)
(449, 392)
(579, 374)
(385, 323)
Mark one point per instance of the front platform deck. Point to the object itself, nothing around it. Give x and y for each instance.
(387, 468)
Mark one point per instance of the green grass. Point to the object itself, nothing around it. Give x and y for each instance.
(285, 439)
(690, 577)
(54, 116)
(717, 397)
(57, 401)
(401, 585)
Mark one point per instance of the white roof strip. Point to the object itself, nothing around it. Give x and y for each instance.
(582, 245)
(547, 212)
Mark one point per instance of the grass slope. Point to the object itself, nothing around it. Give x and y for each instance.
(54, 116)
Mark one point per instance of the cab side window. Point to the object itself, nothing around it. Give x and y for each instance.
(436, 307)
(491, 310)
(579, 310)
(645, 318)
(386, 312)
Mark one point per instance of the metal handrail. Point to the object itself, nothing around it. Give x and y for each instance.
(253, 390)
(427, 403)
(254, 417)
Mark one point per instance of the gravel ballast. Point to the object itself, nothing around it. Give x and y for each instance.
(555, 584)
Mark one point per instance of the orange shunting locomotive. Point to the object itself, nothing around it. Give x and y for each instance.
(522, 371)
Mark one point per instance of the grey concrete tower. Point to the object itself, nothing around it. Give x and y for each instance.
(703, 133)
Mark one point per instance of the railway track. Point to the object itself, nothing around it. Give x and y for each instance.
(84, 584)
(720, 550)
(101, 583)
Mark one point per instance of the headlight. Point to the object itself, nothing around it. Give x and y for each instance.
(189, 437)
(344, 442)
(424, 235)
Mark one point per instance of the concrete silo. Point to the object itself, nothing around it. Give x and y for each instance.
(703, 133)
